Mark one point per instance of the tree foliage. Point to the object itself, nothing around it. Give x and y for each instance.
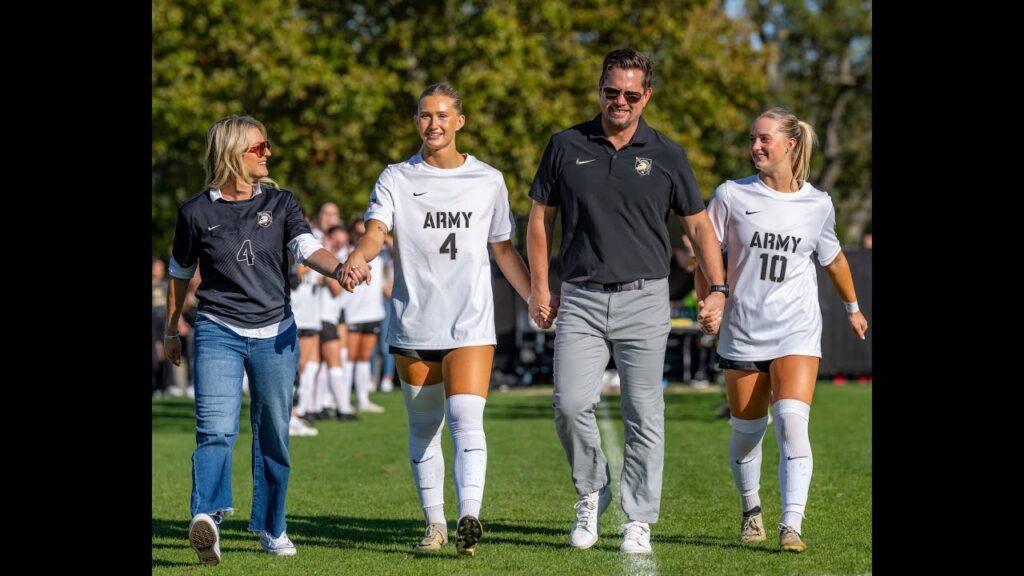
(336, 83)
(818, 62)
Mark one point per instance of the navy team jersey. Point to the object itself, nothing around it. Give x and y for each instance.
(241, 248)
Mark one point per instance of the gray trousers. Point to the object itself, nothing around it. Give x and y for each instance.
(632, 326)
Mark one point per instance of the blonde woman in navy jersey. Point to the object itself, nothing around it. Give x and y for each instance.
(445, 208)
(774, 225)
(238, 232)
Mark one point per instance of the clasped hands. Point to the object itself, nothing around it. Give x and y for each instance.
(543, 309)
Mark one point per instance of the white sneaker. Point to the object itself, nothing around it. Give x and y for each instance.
(371, 408)
(636, 538)
(204, 536)
(280, 546)
(387, 385)
(588, 511)
(296, 427)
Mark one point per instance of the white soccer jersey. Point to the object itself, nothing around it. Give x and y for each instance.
(306, 302)
(443, 220)
(771, 237)
(330, 305)
(367, 303)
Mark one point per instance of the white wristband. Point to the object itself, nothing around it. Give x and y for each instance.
(851, 307)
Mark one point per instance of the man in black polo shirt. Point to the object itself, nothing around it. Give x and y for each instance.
(616, 179)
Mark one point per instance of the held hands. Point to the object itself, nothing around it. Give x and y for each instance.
(858, 323)
(543, 308)
(354, 272)
(709, 312)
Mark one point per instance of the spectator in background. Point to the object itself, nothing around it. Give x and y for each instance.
(701, 346)
(161, 372)
(185, 329)
(773, 224)
(364, 311)
(615, 180)
(305, 306)
(335, 351)
(387, 361)
(327, 216)
(237, 232)
(445, 208)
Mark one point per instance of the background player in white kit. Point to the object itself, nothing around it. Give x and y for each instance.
(445, 209)
(772, 224)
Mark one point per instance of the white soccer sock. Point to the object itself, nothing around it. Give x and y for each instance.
(338, 389)
(363, 382)
(466, 424)
(435, 514)
(424, 406)
(745, 458)
(307, 385)
(343, 388)
(322, 383)
(795, 460)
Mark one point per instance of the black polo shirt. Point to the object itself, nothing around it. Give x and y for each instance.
(242, 251)
(615, 204)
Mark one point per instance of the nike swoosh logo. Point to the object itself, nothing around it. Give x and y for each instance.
(212, 227)
(582, 162)
(472, 449)
(421, 461)
(418, 193)
(752, 212)
(794, 457)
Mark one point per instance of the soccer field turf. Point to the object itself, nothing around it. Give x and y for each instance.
(353, 509)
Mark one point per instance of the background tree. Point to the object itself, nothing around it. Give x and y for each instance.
(336, 83)
(818, 63)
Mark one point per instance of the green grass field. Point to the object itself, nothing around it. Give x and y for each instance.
(352, 507)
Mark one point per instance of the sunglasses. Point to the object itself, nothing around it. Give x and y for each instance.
(613, 94)
(260, 149)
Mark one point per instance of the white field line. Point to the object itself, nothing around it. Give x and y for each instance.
(632, 564)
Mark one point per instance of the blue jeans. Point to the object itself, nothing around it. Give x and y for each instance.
(220, 358)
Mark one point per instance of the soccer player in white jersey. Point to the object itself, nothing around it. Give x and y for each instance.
(365, 312)
(773, 225)
(445, 209)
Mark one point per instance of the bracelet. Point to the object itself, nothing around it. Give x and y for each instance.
(175, 335)
(337, 272)
(851, 307)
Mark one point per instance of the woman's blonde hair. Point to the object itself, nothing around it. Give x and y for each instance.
(226, 142)
(792, 127)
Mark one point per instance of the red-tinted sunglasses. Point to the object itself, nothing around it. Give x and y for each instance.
(613, 94)
(260, 148)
